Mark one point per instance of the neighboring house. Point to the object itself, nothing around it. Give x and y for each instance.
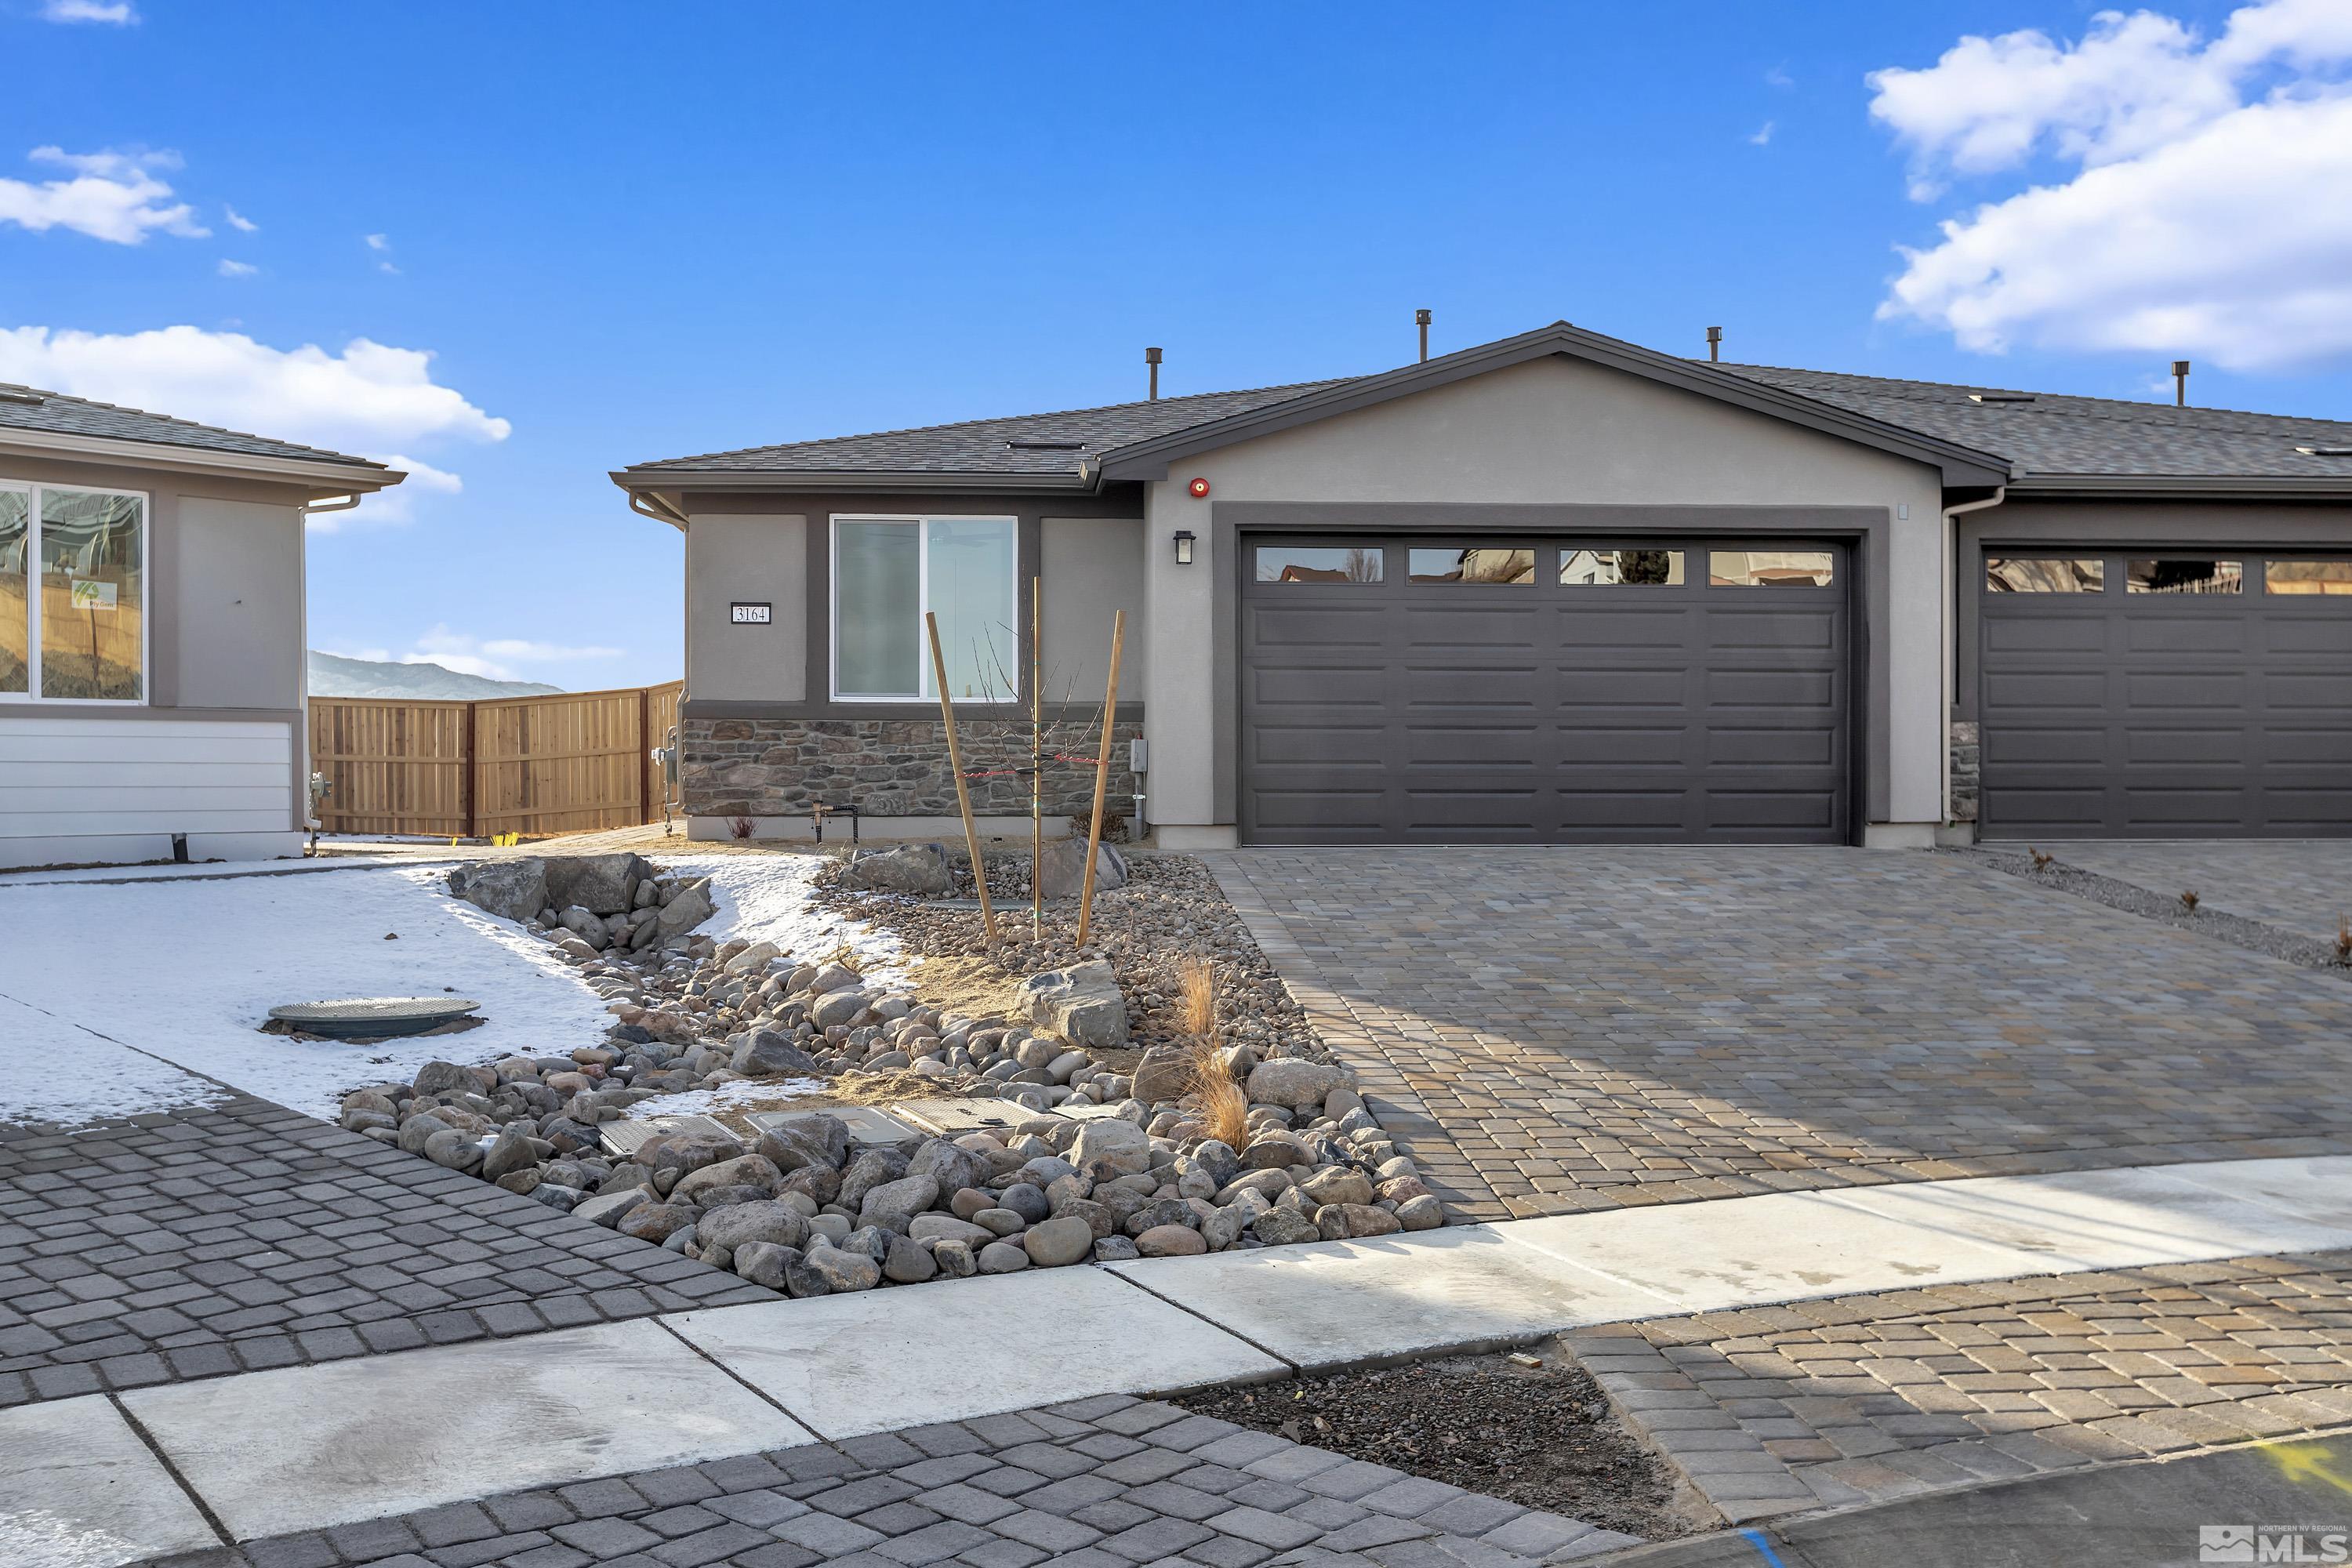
(1759, 606)
(152, 632)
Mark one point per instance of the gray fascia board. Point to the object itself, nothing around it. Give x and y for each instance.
(1960, 466)
(926, 483)
(2200, 487)
(358, 475)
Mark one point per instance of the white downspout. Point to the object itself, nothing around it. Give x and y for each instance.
(1948, 693)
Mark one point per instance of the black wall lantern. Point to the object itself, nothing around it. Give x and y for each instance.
(1184, 547)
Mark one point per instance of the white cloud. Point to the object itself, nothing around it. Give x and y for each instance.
(378, 242)
(238, 221)
(499, 658)
(1762, 136)
(369, 397)
(113, 196)
(237, 269)
(2201, 205)
(1778, 76)
(114, 13)
(395, 506)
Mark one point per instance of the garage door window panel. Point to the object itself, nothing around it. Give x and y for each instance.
(2315, 579)
(2183, 575)
(1342, 565)
(1489, 566)
(1603, 568)
(2044, 575)
(1771, 568)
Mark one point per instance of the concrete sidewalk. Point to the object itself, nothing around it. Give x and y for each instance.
(181, 1468)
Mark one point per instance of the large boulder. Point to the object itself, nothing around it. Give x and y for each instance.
(601, 884)
(1082, 1003)
(953, 1167)
(1293, 1083)
(732, 1228)
(869, 1169)
(1062, 869)
(687, 909)
(744, 1171)
(837, 1008)
(807, 1141)
(511, 889)
(1111, 1147)
(900, 1200)
(1165, 1073)
(767, 1054)
(918, 868)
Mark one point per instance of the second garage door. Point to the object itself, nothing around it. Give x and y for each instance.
(2164, 693)
(1556, 690)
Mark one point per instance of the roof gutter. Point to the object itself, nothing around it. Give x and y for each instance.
(2202, 486)
(1084, 480)
(345, 477)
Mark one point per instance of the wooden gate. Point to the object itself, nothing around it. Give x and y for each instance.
(569, 762)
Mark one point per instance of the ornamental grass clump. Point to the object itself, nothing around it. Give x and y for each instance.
(1224, 1107)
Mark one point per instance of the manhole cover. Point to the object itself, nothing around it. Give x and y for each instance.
(373, 1017)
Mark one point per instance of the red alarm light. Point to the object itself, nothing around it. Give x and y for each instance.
(1200, 489)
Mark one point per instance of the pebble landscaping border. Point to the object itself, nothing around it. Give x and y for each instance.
(803, 1210)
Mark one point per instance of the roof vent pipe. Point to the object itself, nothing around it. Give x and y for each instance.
(1151, 358)
(2180, 383)
(1421, 319)
(1715, 343)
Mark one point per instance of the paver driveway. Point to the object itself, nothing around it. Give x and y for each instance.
(1557, 1030)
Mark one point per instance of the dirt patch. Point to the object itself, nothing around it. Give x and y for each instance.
(1541, 1435)
(976, 987)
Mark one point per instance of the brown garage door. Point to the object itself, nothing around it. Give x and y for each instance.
(2166, 693)
(1553, 690)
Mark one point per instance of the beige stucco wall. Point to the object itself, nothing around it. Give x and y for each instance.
(1092, 568)
(1557, 431)
(733, 559)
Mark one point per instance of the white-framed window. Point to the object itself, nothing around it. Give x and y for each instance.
(73, 593)
(888, 572)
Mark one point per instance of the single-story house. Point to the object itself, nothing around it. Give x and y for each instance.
(151, 682)
(1558, 588)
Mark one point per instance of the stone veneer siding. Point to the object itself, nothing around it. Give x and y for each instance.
(1968, 768)
(889, 767)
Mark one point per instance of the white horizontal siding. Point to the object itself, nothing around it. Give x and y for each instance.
(102, 781)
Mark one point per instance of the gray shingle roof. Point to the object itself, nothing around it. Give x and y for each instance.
(991, 446)
(2056, 435)
(2049, 435)
(53, 412)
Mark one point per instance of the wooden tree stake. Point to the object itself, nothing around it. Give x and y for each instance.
(1036, 756)
(963, 792)
(1102, 776)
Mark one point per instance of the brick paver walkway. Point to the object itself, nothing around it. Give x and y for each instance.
(1866, 1398)
(1102, 1483)
(244, 1235)
(1554, 1030)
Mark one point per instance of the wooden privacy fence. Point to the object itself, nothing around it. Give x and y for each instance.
(571, 763)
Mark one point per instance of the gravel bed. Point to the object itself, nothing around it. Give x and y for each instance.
(1171, 909)
(2254, 936)
(1545, 1437)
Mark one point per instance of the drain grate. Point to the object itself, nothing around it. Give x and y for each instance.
(373, 1017)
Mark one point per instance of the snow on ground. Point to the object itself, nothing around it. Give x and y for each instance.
(189, 969)
(766, 898)
(186, 962)
(708, 1102)
(74, 1077)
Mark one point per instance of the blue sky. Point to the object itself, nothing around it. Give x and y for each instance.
(624, 232)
